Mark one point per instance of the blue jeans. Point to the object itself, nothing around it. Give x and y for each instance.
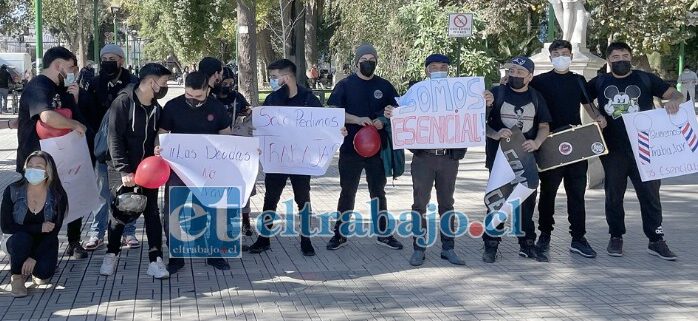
(101, 217)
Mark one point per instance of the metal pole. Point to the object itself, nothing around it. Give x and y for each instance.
(95, 35)
(682, 55)
(128, 62)
(115, 29)
(38, 31)
(551, 24)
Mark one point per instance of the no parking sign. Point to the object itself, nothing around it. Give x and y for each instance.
(460, 25)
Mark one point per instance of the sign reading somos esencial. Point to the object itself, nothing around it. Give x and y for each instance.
(664, 145)
(441, 113)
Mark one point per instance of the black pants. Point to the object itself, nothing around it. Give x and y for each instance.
(275, 184)
(618, 166)
(153, 227)
(575, 177)
(173, 181)
(74, 229)
(21, 245)
(350, 167)
(439, 172)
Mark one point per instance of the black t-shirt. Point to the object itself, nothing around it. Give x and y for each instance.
(617, 96)
(180, 118)
(32, 218)
(520, 110)
(362, 98)
(563, 95)
(41, 94)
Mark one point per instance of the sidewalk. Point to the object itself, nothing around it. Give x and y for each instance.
(363, 281)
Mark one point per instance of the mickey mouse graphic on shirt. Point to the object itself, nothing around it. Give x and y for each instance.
(620, 103)
(57, 103)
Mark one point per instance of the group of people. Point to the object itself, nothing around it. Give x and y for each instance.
(126, 106)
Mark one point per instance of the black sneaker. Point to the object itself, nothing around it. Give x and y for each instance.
(661, 250)
(527, 249)
(582, 248)
(175, 264)
(615, 246)
(261, 245)
(246, 230)
(218, 263)
(76, 250)
(490, 253)
(336, 242)
(389, 242)
(543, 248)
(307, 247)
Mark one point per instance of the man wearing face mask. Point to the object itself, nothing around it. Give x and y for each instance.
(195, 112)
(212, 68)
(516, 104)
(623, 91)
(564, 92)
(434, 168)
(133, 127)
(100, 93)
(364, 96)
(43, 94)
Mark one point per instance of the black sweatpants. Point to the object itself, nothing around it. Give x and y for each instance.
(275, 184)
(618, 166)
(575, 178)
(153, 227)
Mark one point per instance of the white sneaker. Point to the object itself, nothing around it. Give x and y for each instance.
(108, 264)
(158, 269)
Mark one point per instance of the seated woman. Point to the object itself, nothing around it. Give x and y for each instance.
(32, 211)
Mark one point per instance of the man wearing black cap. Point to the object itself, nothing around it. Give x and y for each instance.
(364, 96)
(434, 168)
(213, 69)
(515, 104)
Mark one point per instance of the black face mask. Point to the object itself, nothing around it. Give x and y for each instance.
(621, 68)
(367, 68)
(109, 68)
(195, 103)
(225, 91)
(161, 93)
(516, 82)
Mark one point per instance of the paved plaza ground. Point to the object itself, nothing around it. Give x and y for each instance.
(363, 281)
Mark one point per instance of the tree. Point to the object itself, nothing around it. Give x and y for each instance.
(247, 50)
(69, 20)
(313, 12)
(14, 17)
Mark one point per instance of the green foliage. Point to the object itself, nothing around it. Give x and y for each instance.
(14, 16)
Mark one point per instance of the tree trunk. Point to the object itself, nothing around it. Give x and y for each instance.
(79, 5)
(311, 23)
(266, 50)
(299, 40)
(247, 51)
(285, 8)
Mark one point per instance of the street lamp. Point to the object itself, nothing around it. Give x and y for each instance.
(114, 11)
(134, 35)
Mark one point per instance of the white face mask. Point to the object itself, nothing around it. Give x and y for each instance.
(562, 63)
(438, 74)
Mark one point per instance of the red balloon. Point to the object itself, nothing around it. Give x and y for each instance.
(367, 141)
(152, 172)
(45, 131)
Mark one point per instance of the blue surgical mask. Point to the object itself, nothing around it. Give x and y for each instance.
(438, 74)
(35, 176)
(275, 85)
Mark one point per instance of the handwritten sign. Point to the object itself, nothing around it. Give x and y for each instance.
(441, 113)
(664, 145)
(212, 161)
(76, 172)
(298, 140)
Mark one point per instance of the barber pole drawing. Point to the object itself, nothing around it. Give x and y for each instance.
(643, 124)
(680, 119)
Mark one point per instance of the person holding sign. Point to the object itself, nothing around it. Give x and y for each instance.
(363, 95)
(516, 105)
(43, 96)
(195, 112)
(627, 91)
(434, 168)
(32, 211)
(287, 92)
(133, 124)
(564, 91)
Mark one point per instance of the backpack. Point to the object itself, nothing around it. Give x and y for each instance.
(101, 148)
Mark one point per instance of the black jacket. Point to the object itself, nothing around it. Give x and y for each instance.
(99, 95)
(279, 97)
(132, 130)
